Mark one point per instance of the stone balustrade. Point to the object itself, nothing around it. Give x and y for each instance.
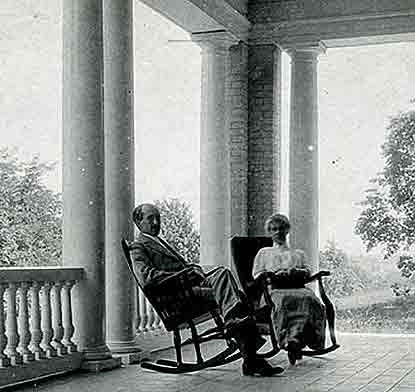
(147, 319)
(36, 325)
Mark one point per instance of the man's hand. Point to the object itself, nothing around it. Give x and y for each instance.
(195, 274)
(196, 267)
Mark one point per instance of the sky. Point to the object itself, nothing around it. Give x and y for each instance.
(359, 89)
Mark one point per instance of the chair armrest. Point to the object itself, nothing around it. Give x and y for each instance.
(318, 275)
(176, 293)
(180, 280)
(180, 297)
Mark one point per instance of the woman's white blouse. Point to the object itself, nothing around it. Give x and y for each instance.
(274, 258)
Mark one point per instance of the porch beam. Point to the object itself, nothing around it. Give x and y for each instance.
(203, 16)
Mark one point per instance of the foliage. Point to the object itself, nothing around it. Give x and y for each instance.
(346, 278)
(388, 218)
(179, 229)
(30, 213)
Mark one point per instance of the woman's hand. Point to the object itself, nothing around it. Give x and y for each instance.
(299, 274)
(281, 273)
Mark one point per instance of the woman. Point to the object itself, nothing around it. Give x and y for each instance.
(298, 315)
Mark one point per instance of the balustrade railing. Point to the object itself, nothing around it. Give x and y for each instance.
(147, 319)
(35, 318)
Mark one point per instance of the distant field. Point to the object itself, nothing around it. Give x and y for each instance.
(364, 299)
(377, 311)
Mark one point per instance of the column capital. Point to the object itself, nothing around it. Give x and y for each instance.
(305, 50)
(215, 40)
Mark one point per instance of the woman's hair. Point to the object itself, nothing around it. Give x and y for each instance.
(277, 218)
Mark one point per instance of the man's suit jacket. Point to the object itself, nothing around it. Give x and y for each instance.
(153, 262)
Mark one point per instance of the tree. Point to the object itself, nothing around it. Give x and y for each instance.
(345, 278)
(388, 218)
(30, 213)
(179, 229)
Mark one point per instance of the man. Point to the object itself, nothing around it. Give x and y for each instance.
(154, 259)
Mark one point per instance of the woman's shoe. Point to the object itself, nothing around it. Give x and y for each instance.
(294, 351)
(260, 367)
(292, 357)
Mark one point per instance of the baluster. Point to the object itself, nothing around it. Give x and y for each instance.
(150, 316)
(46, 321)
(4, 361)
(137, 319)
(11, 326)
(23, 324)
(57, 319)
(143, 313)
(157, 320)
(67, 322)
(35, 322)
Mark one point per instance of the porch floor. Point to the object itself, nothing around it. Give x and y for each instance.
(363, 363)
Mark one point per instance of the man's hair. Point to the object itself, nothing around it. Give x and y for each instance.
(138, 212)
(278, 218)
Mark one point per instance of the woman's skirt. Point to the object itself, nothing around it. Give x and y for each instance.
(298, 315)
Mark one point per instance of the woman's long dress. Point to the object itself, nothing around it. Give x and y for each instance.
(298, 314)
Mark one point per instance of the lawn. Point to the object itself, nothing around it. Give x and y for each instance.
(395, 315)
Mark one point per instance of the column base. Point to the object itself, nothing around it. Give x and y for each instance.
(123, 347)
(133, 357)
(100, 365)
(129, 352)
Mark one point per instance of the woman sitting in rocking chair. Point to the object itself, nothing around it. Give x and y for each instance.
(298, 315)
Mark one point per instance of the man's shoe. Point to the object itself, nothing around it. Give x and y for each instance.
(260, 367)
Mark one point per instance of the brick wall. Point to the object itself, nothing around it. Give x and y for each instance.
(264, 134)
(237, 102)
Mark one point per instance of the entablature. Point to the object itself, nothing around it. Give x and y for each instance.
(346, 31)
(265, 11)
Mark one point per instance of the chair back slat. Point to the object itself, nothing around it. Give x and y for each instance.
(244, 250)
(126, 249)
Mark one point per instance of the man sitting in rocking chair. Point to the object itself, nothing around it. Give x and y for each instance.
(154, 259)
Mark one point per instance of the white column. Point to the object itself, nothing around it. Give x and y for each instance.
(83, 174)
(119, 172)
(214, 149)
(304, 143)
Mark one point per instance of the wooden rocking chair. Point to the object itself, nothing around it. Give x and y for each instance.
(244, 250)
(178, 307)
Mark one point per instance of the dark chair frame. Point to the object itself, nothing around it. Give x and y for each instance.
(176, 303)
(244, 250)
